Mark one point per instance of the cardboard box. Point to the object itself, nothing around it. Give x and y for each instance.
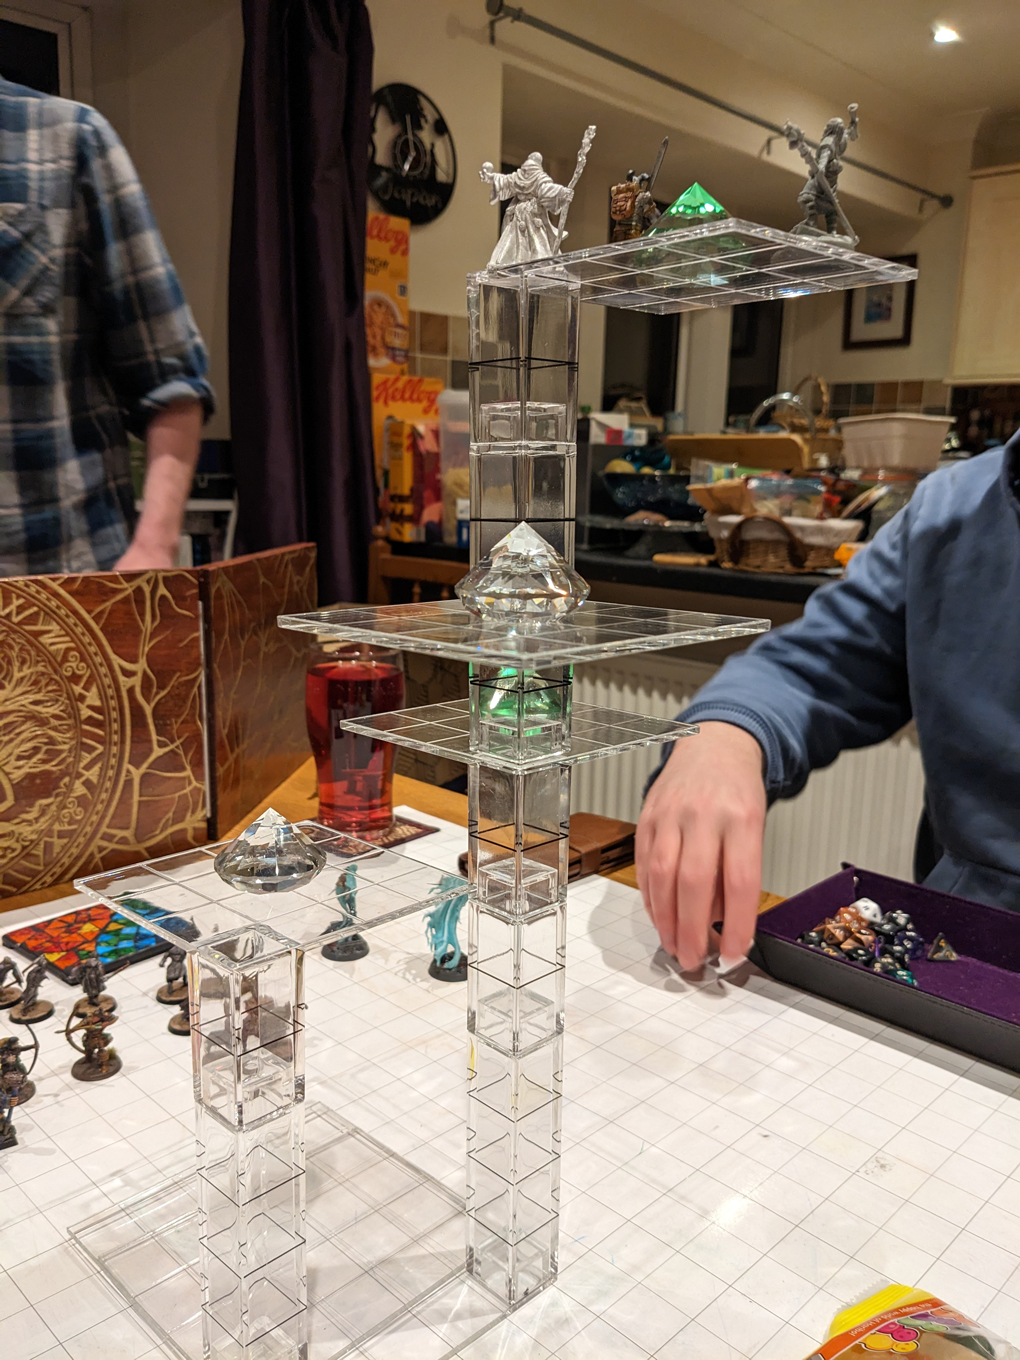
(386, 297)
(411, 399)
(145, 712)
(411, 480)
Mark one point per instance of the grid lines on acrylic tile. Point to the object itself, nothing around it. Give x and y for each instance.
(186, 902)
(711, 264)
(445, 729)
(739, 1159)
(594, 632)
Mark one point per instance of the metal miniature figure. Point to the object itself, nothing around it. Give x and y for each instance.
(91, 976)
(174, 990)
(14, 1075)
(528, 231)
(10, 994)
(32, 1008)
(8, 1137)
(98, 1059)
(818, 197)
(631, 205)
(180, 1022)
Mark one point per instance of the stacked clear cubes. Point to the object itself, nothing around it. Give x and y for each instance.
(523, 376)
(248, 1065)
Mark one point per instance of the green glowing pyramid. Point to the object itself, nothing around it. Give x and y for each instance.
(694, 205)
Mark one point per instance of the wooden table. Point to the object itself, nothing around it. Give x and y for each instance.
(297, 799)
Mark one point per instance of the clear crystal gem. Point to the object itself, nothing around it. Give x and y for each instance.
(523, 581)
(271, 855)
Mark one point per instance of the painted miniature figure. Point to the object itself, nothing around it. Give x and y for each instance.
(32, 1008)
(98, 1060)
(91, 976)
(350, 947)
(10, 993)
(528, 231)
(180, 1022)
(818, 197)
(631, 205)
(448, 963)
(14, 1075)
(174, 990)
(8, 1137)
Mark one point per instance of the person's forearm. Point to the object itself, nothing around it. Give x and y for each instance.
(172, 441)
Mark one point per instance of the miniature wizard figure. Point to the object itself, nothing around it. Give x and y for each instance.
(92, 975)
(818, 197)
(10, 993)
(528, 231)
(631, 205)
(99, 1060)
(32, 1008)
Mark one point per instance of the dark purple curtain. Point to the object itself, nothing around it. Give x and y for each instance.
(300, 398)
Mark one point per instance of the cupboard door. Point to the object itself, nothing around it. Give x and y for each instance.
(986, 346)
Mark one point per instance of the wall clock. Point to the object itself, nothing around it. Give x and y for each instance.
(413, 165)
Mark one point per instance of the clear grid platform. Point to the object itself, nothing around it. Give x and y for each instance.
(360, 886)
(385, 1241)
(711, 264)
(593, 632)
(445, 730)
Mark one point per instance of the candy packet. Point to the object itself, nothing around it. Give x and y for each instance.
(898, 1320)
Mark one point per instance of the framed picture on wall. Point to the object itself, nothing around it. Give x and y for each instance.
(880, 316)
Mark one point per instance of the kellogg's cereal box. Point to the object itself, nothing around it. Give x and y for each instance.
(404, 398)
(386, 300)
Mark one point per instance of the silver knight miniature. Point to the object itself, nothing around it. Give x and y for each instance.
(818, 197)
(631, 205)
(528, 231)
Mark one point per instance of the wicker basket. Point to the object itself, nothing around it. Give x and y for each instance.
(777, 546)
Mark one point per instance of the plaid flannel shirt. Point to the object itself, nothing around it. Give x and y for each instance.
(95, 335)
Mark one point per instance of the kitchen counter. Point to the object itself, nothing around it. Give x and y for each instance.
(748, 585)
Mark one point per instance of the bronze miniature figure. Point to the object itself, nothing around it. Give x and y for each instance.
(181, 1022)
(14, 1075)
(98, 1060)
(818, 197)
(91, 976)
(10, 994)
(31, 1008)
(631, 205)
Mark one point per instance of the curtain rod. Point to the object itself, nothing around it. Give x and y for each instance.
(498, 10)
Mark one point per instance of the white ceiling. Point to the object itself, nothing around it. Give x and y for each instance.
(879, 53)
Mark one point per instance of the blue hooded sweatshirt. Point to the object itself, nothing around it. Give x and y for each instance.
(925, 625)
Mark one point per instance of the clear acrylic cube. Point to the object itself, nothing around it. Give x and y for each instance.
(511, 421)
(520, 715)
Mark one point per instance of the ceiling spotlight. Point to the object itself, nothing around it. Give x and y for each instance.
(942, 33)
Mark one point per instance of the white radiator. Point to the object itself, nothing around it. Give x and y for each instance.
(864, 808)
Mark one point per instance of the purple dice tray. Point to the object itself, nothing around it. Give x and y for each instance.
(972, 1004)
